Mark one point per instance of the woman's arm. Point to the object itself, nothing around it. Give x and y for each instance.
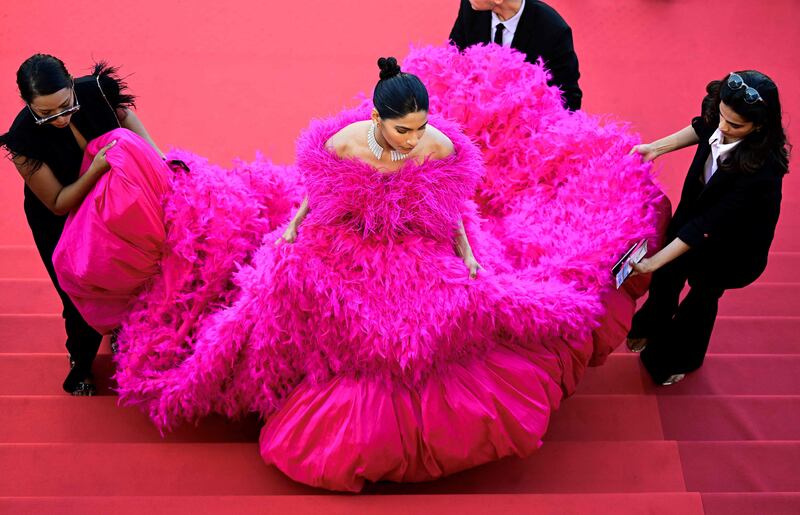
(464, 250)
(130, 121)
(58, 198)
(669, 253)
(681, 139)
(290, 234)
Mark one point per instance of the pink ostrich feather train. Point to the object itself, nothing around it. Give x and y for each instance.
(364, 345)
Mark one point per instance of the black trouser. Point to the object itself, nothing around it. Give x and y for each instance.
(82, 341)
(678, 333)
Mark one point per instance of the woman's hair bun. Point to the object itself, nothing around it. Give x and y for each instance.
(389, 67)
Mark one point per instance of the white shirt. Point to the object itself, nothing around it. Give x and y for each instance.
(509, 24)
(719, 151)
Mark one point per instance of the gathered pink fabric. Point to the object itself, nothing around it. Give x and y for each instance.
(112, 243)
(364, 345)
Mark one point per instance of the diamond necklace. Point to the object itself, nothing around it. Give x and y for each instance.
(377, 150)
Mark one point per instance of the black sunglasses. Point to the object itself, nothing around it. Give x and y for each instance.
(751, 94)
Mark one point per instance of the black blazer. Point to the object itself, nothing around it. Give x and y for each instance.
(541, 32)
(730, 222)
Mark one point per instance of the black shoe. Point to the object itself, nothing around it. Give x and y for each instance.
(75, 377)
(84, 389)
(674, 378)
(636, 344)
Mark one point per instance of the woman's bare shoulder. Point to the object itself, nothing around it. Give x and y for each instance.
(440, 145)
(346, 139)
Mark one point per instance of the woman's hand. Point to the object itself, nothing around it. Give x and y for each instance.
(645, 266)
(472, 265)
(100, 163)
(289, 235)
(674, 250)
(646, 150)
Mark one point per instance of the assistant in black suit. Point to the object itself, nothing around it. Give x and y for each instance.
(541, 32)
(723, 226)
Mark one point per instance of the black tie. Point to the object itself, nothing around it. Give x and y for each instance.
(498, 34)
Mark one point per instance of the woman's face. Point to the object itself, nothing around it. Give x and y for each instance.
(48, 105)
(403, 134)
(732, 126)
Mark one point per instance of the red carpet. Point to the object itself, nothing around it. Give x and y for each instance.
(725, 441)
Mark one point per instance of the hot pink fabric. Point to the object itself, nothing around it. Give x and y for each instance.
(112, 244)
(538, 155)
(364, 345)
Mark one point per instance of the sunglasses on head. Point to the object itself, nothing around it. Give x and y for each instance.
(66, 112)
(751, 94)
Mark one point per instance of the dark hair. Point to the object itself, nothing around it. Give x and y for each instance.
(41, 74)
(768, 141)
(398, 93)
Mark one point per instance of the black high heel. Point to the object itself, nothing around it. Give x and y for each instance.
(75, 387)
(84, 389)
(636, 344)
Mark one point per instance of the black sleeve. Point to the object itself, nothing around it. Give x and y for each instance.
(20, 141)
(562, 62)
(458, 35)
(114, 88)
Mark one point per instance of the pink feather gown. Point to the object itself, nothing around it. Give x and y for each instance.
(364, 345)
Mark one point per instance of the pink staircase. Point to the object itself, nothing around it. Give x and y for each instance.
(724, 441)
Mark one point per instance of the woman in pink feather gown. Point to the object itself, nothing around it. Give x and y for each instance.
(388, 332)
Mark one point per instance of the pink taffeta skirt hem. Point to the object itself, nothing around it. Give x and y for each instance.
(343, 432)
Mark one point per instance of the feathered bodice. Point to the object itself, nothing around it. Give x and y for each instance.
(422, 198)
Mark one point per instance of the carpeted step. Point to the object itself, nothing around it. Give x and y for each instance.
(786, 239)
(21, 262)
(746, 503)
(722, 374)
(714, 417)
(762, 299)
(620, 374)
(42, 374)
(756, 335)
(606, 417)
(740, 374)
(32, 333)
(63, 419)
(29, 296)
(782, 267)
(741, 466)
(687, 503)
(237, 469)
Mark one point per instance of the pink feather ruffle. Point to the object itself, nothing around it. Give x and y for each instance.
(364, 344)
